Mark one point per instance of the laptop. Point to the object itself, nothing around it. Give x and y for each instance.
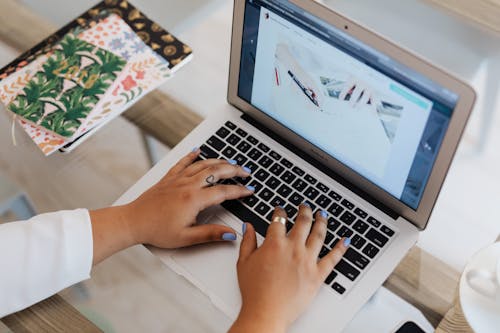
(325, 111)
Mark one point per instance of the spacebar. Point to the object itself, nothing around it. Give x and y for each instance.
(246, 215)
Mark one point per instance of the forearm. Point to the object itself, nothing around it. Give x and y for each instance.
(111, 232)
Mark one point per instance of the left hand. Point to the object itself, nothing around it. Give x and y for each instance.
(165, 215)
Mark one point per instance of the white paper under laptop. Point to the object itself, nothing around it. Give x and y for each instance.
(326, 111)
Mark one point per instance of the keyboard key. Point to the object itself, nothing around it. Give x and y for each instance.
(277, 169)
(335, 196)
(313, 206)
(263, 147)
(291, 211)
(329, 237)
(240, 159)
(331, 277)
(284, 191)
(265, 161)
(241, 132)
(335, 209)
(233, 139)
(275, 155)
(262, 209)
(289, 226)
(370, 250)
(311, 193)
(286, 163)
(254, 154)
(333, 224)
(266, 194)
(360, 226)
(250, 201)
(322, 187)
(336, 240)
(338, 288)
(207, 152)
(222, 132)
(216, 143)
(269, 216)
(348, 218)
(247, 215)
(261, 175)
(361, 213)
(386, 230)
(376, 237)
(356, 258)
(244, 146)
(346, 203)
(310, 179)
(374, 222)
(258, 186)
(288, 177)
(243, 181)
(358, 242)
(229, 152)
(344, 232)
(298, 171)
(252, 140)
(299, 185)
(323, 201)
(278, 201)
(273, 183)
(230, 125)
(296, 199)
(252, 166)
(346, 269)
(323, 252)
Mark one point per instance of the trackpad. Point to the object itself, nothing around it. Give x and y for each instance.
(212, 268)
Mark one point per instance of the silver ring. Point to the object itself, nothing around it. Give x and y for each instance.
(279, 219)
(210, 180)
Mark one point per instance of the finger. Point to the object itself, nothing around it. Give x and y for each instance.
(276, 228)
(329, 261)
(365, 98)
(214, 173)
(215, 195)
(184, 162)
(248, 243)
(208, 233)
(356, 94)
(348, 88)
(318, 233)
(200, 165)
(302, 226)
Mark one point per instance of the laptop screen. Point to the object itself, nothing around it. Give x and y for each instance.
(375, 115)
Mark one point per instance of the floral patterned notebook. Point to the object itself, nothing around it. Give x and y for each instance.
(68, 87)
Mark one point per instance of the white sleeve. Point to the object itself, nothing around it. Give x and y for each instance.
(41, 256)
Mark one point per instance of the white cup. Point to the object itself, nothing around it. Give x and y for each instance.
(486, 282)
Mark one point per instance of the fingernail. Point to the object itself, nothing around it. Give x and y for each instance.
(195, 149)
(324, 214)
(280, 206)
(247, 169)
(251, 188)
(228, 236)
(244, 228)
(305, 203)
(232, 162)
(347, 242)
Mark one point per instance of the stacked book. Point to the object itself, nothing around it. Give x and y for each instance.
(90, 71)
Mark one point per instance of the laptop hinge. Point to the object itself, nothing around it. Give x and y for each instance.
(317, 164)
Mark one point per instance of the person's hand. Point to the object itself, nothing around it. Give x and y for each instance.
(280, 279)
(165, 215)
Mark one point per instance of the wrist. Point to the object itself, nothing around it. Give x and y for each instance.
(258, 321)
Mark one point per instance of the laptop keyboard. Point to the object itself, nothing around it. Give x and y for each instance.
(278, 182)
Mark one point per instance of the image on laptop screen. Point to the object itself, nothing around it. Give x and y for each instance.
(371, 113)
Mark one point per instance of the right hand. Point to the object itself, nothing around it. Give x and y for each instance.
(280, 279)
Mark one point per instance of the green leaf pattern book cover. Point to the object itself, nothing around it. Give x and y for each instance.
(71, 83)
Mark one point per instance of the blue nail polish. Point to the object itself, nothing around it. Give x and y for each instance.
(244, 228)
(305, 203)
(347, 242)
(324, 214)
(229, 236)
(232, 162)
(195, 149)
(251, 188)
(247, 169)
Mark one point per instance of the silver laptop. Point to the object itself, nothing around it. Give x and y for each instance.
(325, 111)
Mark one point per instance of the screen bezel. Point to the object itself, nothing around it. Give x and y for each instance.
(467, 96)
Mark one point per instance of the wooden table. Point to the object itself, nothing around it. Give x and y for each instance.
(421, 279)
